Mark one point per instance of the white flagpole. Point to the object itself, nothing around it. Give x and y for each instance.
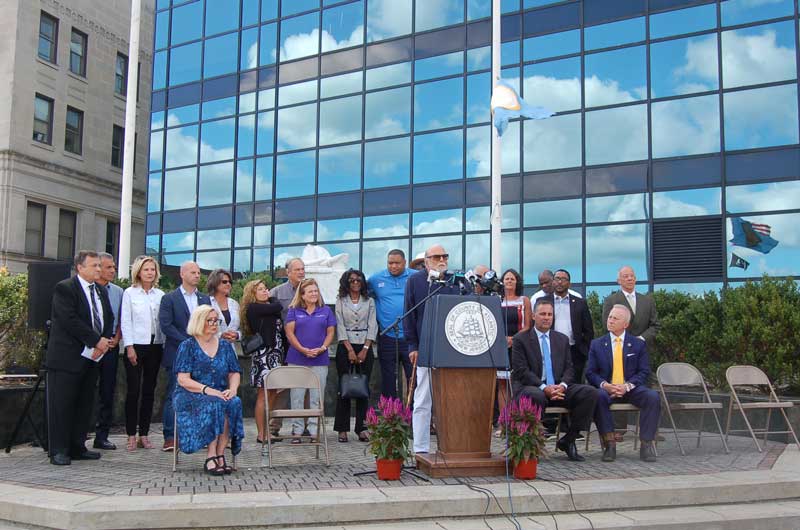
(126, 201)
(496, 214)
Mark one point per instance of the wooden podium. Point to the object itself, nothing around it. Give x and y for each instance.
(463, 390)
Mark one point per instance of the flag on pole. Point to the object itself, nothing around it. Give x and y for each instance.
(738, 261)
(754, 236)
(506, 104)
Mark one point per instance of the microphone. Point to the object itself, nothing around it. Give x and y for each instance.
(444, 276)
(471, 277)
(434, 276)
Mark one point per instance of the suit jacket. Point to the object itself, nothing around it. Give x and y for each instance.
(636, 363)
(644, 323)
(71, 326)
(173, 317)
(581, 320)
(417, 288)
(526, 359)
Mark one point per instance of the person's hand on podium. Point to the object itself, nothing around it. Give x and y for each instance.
(554, 392)
(413, 356)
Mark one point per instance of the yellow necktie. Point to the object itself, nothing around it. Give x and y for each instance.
(617, 373)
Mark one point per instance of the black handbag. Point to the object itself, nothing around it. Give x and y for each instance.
(255, 342)
(354, 385)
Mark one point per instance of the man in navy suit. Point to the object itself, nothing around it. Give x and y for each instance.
(173, 317)
(619, 367)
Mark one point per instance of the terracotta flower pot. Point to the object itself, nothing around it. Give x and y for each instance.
(526, 469)
(389, 469)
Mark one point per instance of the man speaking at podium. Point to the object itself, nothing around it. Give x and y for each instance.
(421, 284)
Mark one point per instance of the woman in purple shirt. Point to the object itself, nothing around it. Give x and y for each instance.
(309, 329)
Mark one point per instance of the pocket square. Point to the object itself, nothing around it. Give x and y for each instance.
(630, 355)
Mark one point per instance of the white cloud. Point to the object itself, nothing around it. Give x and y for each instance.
(748, 59)
(388, 18)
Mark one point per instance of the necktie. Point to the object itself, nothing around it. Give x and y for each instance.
(632, 301)
(617, 373)
(548, 363)
(96, 324)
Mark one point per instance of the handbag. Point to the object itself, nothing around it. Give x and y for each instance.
(354, 385)
(253, 343)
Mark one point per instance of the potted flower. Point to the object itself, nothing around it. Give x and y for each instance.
(389, 430)
(520, 422)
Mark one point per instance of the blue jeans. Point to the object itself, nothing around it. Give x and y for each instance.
(169, 410)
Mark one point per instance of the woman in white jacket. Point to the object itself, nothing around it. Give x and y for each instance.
(143, 342)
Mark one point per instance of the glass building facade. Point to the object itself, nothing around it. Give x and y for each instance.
(365, 125)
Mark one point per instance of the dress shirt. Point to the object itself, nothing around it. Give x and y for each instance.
(546, 337)
(139, 318)
(235, 324)
(284, 293)
(631, 297)
(389, 292)
(563, 318)
(190, 298)
(97, 303)
(540, 293)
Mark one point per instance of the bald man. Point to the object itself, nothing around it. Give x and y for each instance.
(417, 288)
(644, 320)
(173, 317)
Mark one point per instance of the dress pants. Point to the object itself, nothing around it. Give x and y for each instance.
(387, 355)
(168, 426)
(108, 382)
(647, 400)
(579, 399)
(297, 396)
(70, 399)
(142, 380)
(421, 418)
(578, 363)
(342, 421)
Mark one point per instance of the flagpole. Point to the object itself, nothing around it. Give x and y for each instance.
(496, 213)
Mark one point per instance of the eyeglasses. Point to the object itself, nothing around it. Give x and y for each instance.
(438, 257)
(213, 321)
(225, 281)
(354, 280)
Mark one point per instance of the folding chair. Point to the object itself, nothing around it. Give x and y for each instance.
(176, 449)
(686, 375)
(752, 376)
(560, 411)
(620, 407)
(289, 377)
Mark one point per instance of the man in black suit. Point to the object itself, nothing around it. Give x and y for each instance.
(571, 317)
(81, 326)
(173, 317)
(541, 364)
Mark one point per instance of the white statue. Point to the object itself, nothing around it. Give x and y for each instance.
(326, 269)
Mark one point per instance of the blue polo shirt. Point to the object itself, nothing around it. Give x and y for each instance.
(389, 291)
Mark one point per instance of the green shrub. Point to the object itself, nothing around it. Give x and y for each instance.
(18, 345)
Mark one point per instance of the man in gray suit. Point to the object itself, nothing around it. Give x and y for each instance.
(644, 322)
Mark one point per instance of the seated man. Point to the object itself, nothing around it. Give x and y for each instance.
(619, 366)
(541, 365)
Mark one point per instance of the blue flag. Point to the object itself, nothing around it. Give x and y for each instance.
(755, 236)
(506, 104)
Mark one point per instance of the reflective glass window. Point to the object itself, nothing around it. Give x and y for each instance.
(266, 99)
(262, 235)
(152, 244)
(782, 260)
(179, 188)
(686, 203)
(177, 242)
(221, 16)
(268, 53)
(477, 250)
(187, 23)
(294, 210)
(297, 127)
(265, 139)
(269, 9)
(249, 57)
(294, 233)
(439, 104)
(558, 184)
(553, 45)
(510, 214)
(218, 53)
(244, 180)
(219, 108)
(162, 30)
(157, 120)
(282, 255)
(216, 217)
(761, 118)
(741, 11)
(394, 74)
(160, 70)
(629, 141)
(241, 261)
(510, 250)
(245, 142)
(217, 140)
(214, 260)
(387, 163)
(617, 76)
(552, 249)
(247, 102)
(375, 252)
(536, 3)
(478, 94)
(478, 219)
(297, 93)
(688, 172)
(479, 59)
(479, 150)
(603, 258)
(686, 126)
(443, 195)
(548, 213)
(615, 208)
(388, 112)
(555, 85)
(510, 149)
(290, 7)
(154, 192)
(683, 66)
(438, 156)
(343, 26)
(214, 239)
(386, 226)
(437, 222)
(759, 54)
(216, 184)
(296, 174)
(509, 52)
(431, 14)
(765, 197)
(616, 179)
(483, 8)
(439, 66)
(384, 201)
(249, 12)
(183, 115)
(337, 229)
(299, 36)
(614, 34)
(243, 216)
(184, 64)
(552, 143)
(340, 120)
(765, 165)
(341, 84)
(682, 21)
(181, 147)
(261, 260)
(263, 177)
(339, 169)
(388, 18)
(156, 150)
(176, 259)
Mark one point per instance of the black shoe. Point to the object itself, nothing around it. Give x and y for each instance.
(306, 433)
(569, 447)
(103, 444)
(86, 455)
(610, 452)
(60, 459)
(647, 451)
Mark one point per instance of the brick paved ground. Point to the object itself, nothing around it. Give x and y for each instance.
(149, 472)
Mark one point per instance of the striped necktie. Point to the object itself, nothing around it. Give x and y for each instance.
(96, 324)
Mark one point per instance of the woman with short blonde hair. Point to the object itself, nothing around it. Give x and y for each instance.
(136, 269)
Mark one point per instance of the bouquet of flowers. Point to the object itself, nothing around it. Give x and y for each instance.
(389, 429)
(520, 422)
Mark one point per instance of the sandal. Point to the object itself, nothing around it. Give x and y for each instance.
(343, 437)
(224, 466)
(131, 444)
(144, 443)
(296, 441)
(215, 471)
(275, 436)
(363, 436)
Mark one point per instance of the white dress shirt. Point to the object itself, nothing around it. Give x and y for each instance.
(97, 303)
(563, 318)
(540, 293)
(233, 307)
(139, 316)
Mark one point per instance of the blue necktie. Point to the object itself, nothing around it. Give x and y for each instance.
(548, 363)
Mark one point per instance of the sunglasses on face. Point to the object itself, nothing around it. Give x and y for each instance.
(354, 280)
(226, 282)
(438, 257)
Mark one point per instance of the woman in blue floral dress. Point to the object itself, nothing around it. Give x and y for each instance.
(206, 405)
